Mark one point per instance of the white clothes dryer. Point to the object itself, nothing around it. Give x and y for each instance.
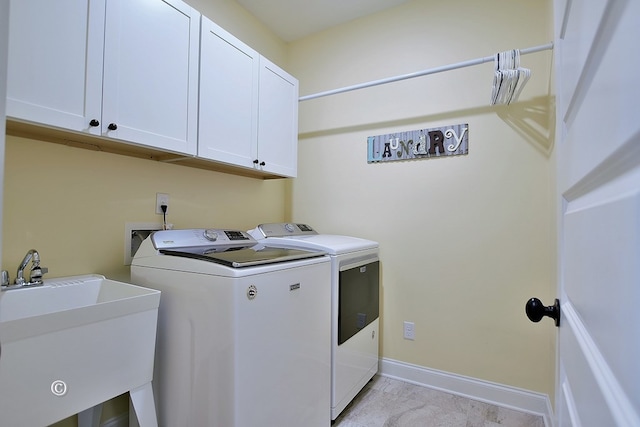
(243, 331)
(355, 287)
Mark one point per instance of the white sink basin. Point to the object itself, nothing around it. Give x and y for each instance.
(71, 344)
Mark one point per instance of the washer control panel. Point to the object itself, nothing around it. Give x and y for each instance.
(192, 238)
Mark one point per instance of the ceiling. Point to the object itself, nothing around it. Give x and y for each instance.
(294, 19)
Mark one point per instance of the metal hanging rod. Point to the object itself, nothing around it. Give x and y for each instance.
(435, 70)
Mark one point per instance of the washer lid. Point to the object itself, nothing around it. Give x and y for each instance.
(232, 248)
(243, 257)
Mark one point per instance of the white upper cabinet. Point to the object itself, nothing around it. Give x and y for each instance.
(145, 92)
(150, 83)
(228, 124)
(54, 74)
(155, 74)
(277, 120)
(248, 106)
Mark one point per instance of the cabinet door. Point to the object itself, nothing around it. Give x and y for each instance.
(55, 62)
(228, 98)
(277, 120)
(151, 73)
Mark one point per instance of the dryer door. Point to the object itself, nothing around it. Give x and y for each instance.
(358, 303)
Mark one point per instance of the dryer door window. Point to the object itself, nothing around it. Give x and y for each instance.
(358, 303)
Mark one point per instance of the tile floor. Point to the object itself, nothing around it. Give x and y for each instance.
(386, 402)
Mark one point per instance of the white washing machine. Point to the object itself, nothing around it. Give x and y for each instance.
(355, 277)
(243, 330)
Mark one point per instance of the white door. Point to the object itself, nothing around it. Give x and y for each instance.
(598, 147)
(4, 47)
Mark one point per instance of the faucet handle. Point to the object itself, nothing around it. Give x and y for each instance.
(5, 278)
(36, 273)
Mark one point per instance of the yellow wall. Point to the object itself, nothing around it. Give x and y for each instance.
(465, 241)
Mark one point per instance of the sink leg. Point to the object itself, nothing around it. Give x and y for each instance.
(90, 417)
(142, 409)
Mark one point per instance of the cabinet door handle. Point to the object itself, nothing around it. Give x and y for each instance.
(112, 126)
(262, 163)
(94, 123)
(255, 162)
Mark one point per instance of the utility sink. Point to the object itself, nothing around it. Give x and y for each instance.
(71, 344)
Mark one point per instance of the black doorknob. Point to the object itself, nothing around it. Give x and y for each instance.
(262, 163)
(536, 310)
(94, 123)
(112, 126)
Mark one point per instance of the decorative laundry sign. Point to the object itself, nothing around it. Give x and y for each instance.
(419, 144)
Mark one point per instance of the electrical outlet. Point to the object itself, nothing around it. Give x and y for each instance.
(161, 199)
(409, 330)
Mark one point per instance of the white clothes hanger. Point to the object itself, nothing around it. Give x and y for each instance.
(509, 78)
(525, 75)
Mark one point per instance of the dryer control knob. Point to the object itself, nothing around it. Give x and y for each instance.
(211, 235)
(289, 227)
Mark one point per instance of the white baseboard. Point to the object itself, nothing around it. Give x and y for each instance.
(473, 388)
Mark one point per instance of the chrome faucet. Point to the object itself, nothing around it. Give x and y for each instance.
(35, 273)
